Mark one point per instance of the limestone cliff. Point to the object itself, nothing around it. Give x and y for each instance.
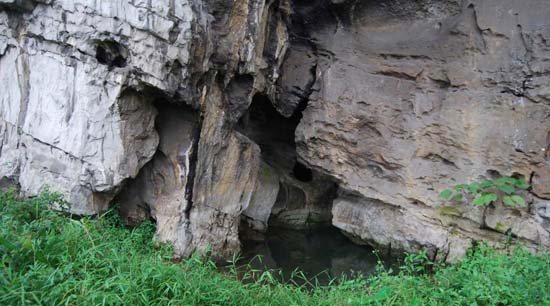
(221, 118)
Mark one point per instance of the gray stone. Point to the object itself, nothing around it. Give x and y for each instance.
(257, 214)
(387, 226)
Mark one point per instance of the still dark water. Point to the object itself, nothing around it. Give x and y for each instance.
(322, 254)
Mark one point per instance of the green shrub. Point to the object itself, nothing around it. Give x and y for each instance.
(488, 191)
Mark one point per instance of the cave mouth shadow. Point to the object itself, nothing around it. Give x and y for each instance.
(275, 134)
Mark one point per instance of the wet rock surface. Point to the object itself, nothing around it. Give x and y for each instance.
(219, 119)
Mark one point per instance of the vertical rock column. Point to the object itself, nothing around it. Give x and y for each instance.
(226, 174)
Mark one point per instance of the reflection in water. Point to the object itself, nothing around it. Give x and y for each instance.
(325, 253)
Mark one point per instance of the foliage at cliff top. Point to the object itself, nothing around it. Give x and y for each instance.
(47, 258)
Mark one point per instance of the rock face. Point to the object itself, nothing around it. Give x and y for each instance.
(431, 95)
(219, 119)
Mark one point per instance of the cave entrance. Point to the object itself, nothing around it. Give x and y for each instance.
(301, 198)
(294, 229)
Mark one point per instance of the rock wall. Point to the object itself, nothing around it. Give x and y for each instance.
(411, 97)
(219, 118)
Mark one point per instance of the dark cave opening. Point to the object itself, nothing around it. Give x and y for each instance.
(303, 204)
(302, 172)
(273, 132)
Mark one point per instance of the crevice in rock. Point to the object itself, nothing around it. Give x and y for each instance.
(174, 32)
(16, 22)
(397, 75)
(438, 158)
(9, 183)
(304, 196)
(520, 91)
(271, 131)
(192, 166)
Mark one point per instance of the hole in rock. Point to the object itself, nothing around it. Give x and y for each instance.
(302, 172)
(111, 53)
(492, 174)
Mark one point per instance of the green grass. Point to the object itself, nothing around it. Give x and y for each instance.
(47, 258)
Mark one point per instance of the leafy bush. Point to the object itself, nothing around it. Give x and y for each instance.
(488, 191)
(47, 258)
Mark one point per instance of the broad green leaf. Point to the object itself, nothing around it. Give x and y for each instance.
(485, 198)
(445, 194)
(521, 184)
(505, 180)
(508, 200)
(509, 180)
(487, 184)
(479, 200)
(490, 197)
(473, 188)
(459, 187)
(457, 197)
(508, 189)
(519, 200)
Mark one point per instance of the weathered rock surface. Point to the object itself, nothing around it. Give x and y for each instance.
(79, 127)
(220, 117)
(411, 98)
